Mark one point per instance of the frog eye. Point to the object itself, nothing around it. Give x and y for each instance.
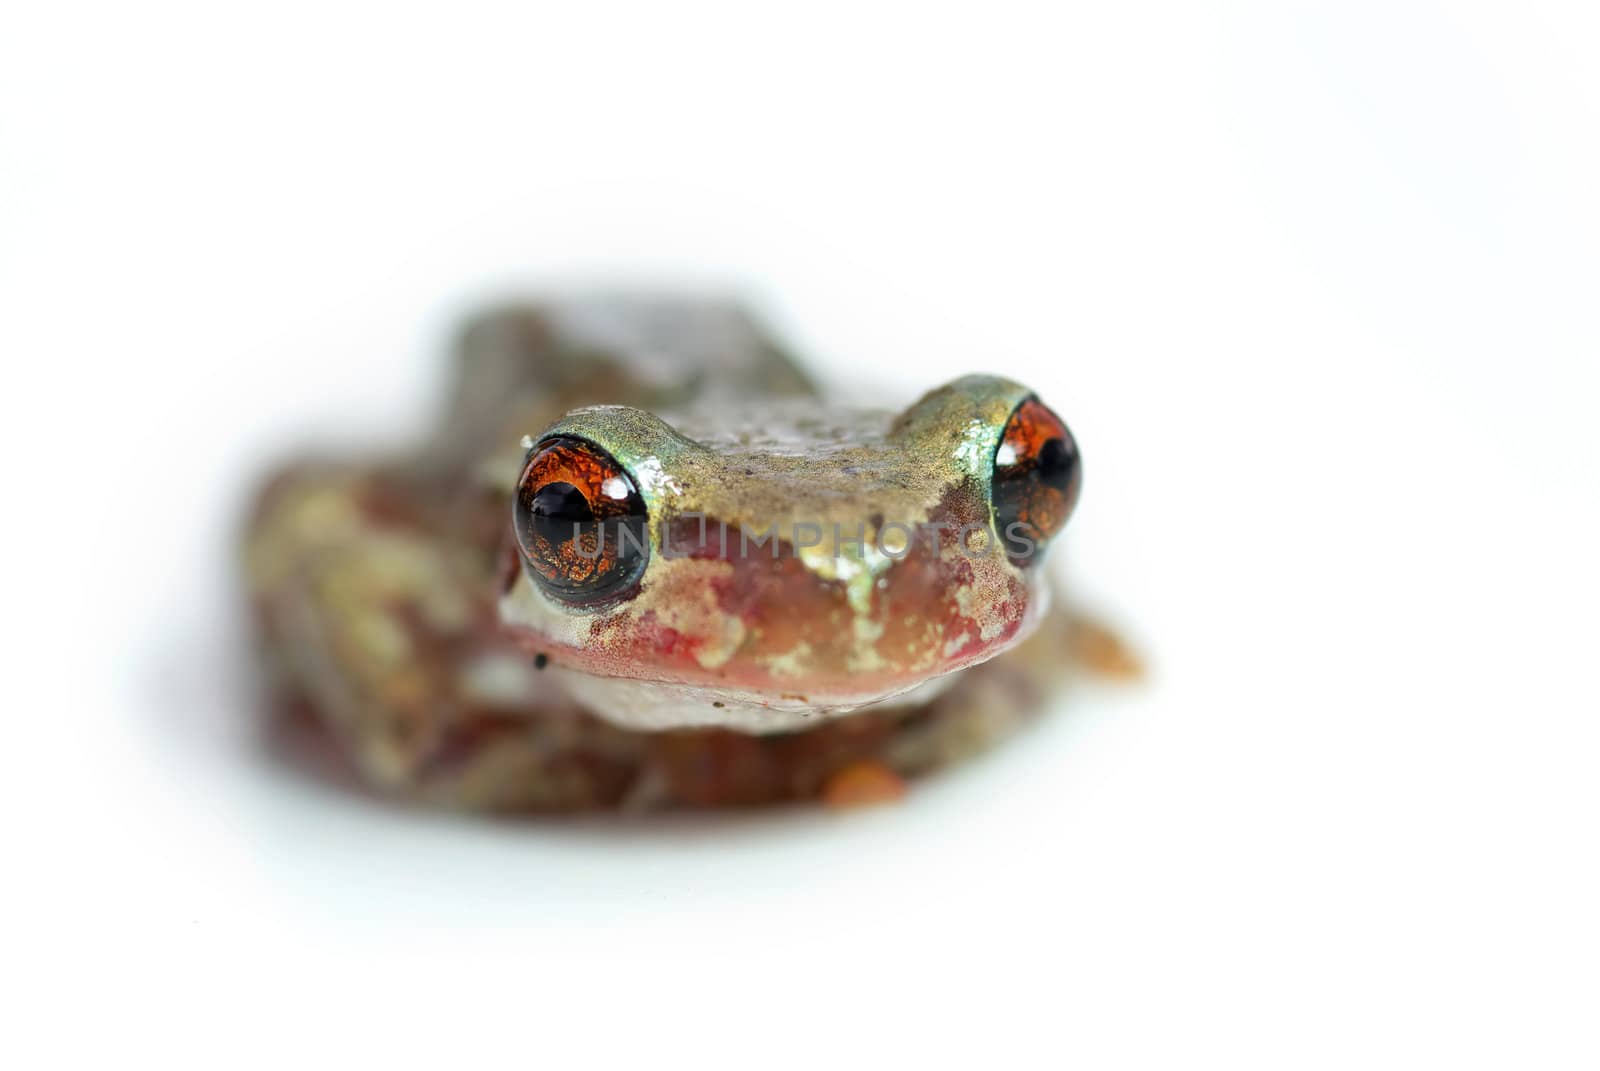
(1037, 474)
(580, 523)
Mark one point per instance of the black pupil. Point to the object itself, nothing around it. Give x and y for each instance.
(1055, 464)
(558, 511)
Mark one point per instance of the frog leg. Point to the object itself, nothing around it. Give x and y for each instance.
(385, 629)
(986, 704)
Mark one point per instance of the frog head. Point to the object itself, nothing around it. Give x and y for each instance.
(761, 568)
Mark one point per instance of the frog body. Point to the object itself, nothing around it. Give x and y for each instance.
(643, 563)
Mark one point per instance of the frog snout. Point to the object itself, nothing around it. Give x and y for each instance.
(863, 615)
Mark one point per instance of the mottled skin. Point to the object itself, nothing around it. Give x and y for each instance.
(392, 602)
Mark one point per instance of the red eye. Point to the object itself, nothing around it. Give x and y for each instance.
(580, 523)
(1037, 474)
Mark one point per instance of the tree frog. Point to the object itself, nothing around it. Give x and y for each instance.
(643, 562)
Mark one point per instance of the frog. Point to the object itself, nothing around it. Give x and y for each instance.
(642, 561)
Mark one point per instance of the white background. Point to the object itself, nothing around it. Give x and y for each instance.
(1314, 284)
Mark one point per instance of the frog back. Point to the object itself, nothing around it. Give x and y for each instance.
(520, 366)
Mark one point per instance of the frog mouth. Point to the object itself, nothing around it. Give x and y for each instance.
(654, 706)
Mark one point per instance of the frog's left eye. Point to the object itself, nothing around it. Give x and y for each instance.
(1037, 474)
(580, 523)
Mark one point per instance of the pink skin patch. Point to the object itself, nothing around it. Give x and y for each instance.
(930, 613)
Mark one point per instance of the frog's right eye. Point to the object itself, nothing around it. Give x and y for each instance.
(580, 524)
(1037, 474)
